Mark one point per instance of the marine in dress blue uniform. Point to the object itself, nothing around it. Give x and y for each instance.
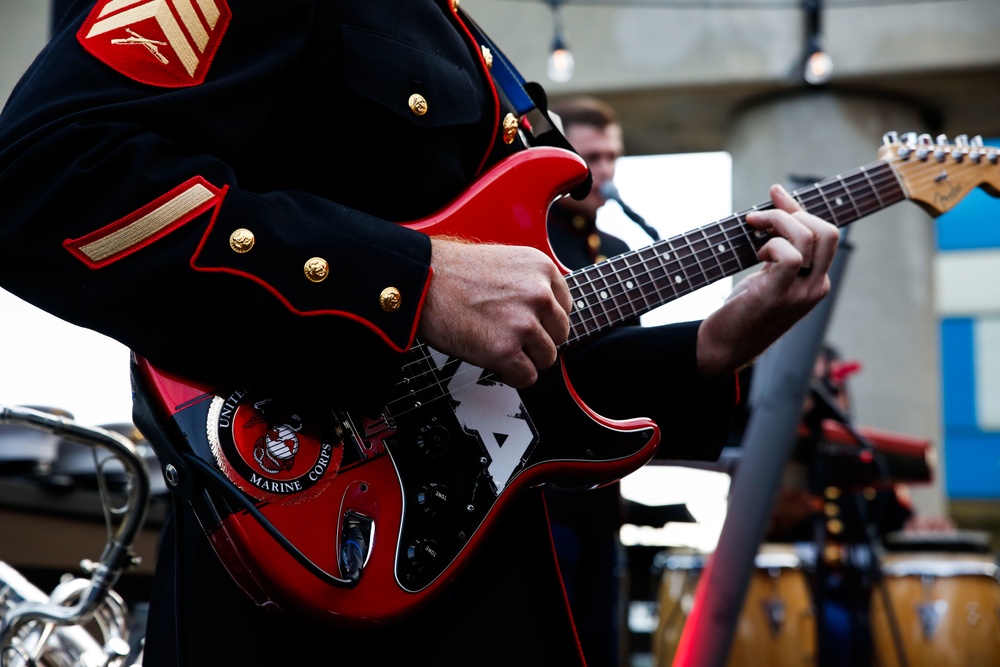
(216, 184)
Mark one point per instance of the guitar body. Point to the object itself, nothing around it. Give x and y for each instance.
(418, 481)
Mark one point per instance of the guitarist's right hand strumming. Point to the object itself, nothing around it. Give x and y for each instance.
(500, 307)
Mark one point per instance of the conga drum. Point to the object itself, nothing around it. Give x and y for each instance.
(944, 598)
(776, 626)
(678, 580)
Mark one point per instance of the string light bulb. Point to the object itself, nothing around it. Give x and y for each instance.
(560, 64)
(817, 67)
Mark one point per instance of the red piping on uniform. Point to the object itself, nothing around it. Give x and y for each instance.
(288, 305)
(562, 584)
(493, 89)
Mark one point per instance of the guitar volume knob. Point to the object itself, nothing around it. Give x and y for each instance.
(433, 440)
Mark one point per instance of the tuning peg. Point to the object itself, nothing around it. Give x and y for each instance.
(961, 146)
(924, 143)
(890, 137)
(907, 143)
(942, 145)
(976, 148)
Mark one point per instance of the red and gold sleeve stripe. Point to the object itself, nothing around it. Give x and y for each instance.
(147, 224)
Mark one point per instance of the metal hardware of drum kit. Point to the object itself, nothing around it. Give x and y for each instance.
(83, 622)
(938, 604)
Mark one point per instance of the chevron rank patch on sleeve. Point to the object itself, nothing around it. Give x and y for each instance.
(167, 43)
(144, 226)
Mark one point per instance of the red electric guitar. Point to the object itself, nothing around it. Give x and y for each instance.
(361, 517)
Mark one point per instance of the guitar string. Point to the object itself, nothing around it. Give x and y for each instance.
(727, 225)
(682, 263)
(814, 198)
(808, 197)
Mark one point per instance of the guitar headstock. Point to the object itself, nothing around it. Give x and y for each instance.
(937, 174)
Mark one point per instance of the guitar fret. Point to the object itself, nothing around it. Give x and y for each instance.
(606, 296)
(874, 190)
(730, 250)
(650, 297)
(638, 281)
(800, 197)
(706, 253)
(714, 249)
(596, 311)
(679, 263)
(844, 200)
(579, 322)
(630, 285)
(746, 253)
(656, 258)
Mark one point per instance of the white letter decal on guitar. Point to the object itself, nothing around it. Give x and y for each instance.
(493, 412)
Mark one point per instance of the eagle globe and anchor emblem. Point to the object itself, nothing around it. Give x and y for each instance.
(269, 450)
(275, 451)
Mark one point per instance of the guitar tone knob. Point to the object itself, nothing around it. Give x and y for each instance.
(433, 498)
(423, 554)
(433, 440)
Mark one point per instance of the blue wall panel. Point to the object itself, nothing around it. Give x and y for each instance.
(971, 455)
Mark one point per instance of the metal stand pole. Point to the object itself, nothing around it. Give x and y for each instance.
(781, 378)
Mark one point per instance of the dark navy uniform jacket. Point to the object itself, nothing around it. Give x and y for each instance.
(153, 142)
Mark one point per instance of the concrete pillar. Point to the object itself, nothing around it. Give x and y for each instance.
(884, 314)
(24, 29)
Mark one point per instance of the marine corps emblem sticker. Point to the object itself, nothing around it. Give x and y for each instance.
(167, 43)
(269, 451)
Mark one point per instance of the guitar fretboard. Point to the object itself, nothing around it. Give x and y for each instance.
(626, 286)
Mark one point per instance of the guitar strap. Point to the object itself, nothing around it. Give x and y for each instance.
(528, 99)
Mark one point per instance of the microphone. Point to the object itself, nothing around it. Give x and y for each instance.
(609, 191)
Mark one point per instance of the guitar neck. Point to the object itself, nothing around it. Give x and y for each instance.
(634, 283)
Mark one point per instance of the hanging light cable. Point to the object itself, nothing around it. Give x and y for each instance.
(817, 67)
(560, 63)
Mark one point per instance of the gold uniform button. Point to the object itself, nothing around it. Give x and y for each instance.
(487, 57)
(509, 128)
(578, 222)
(454, 5)
(418, 105)
(594, 242)
(316, 269)
(390, 299)
(241, 240)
